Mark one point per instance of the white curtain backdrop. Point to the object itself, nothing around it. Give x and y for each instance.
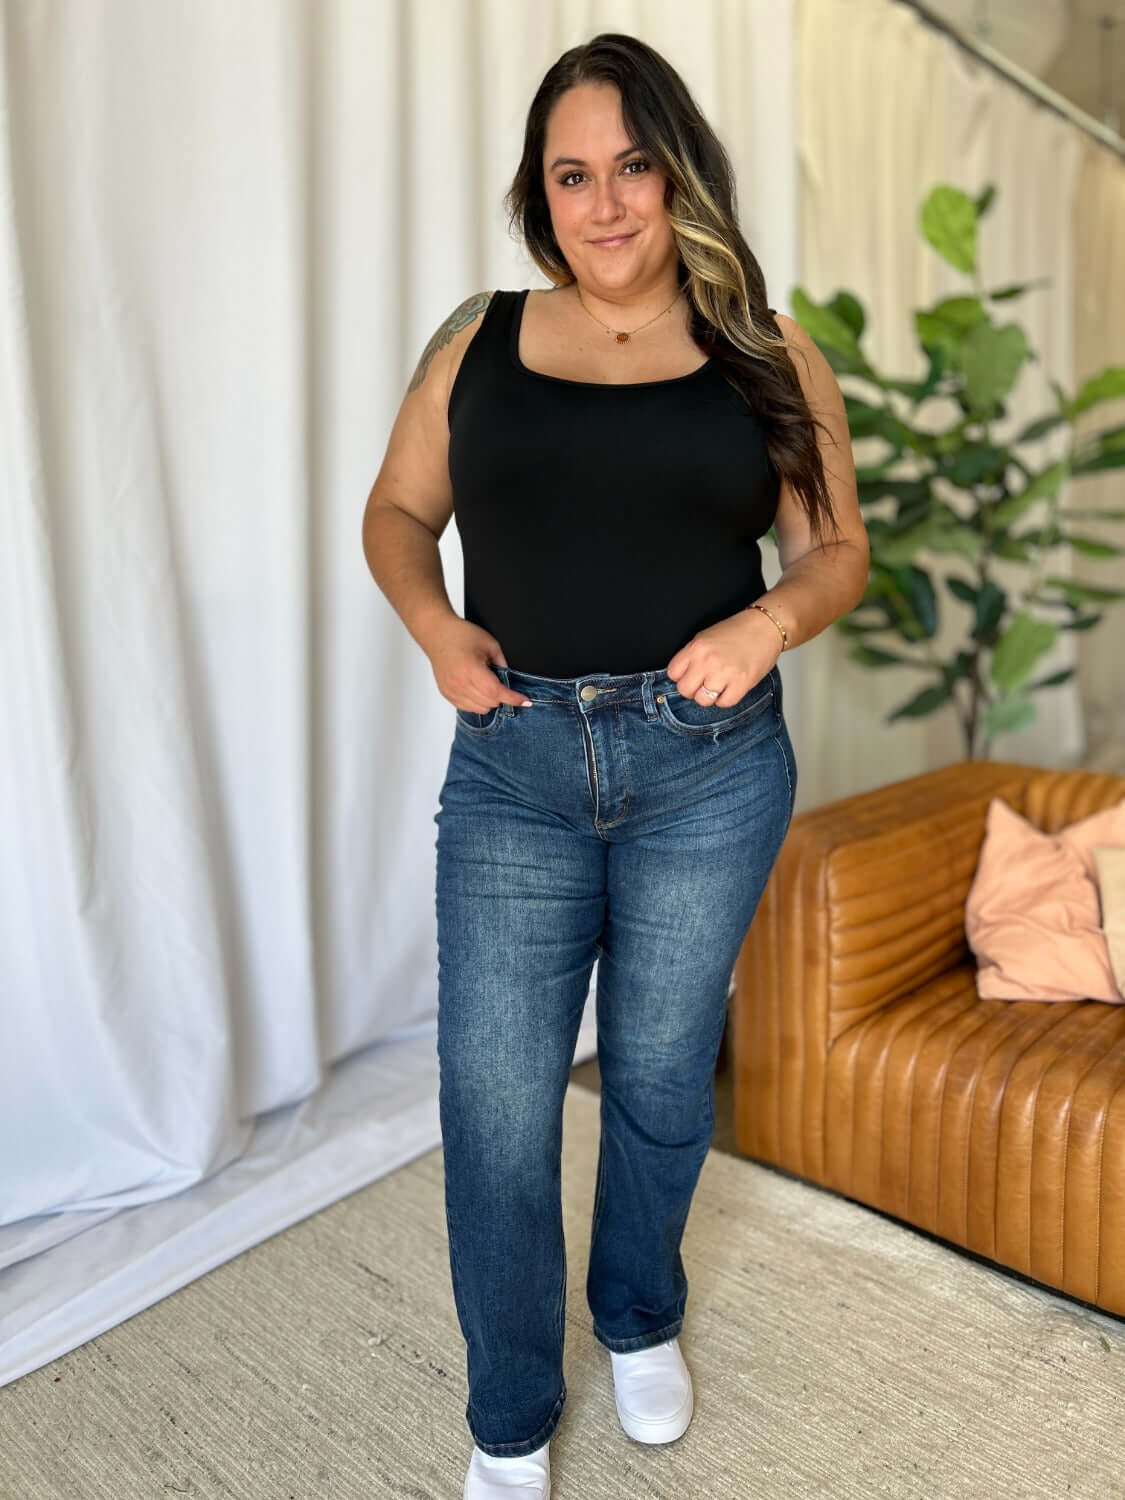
(226, 234)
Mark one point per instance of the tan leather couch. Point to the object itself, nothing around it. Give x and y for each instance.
(864, 1061)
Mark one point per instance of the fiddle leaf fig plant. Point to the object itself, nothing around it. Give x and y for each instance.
(964, 494)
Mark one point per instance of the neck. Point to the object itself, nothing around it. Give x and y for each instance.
(630, 308)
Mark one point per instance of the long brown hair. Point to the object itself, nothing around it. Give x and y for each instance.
(723, 281)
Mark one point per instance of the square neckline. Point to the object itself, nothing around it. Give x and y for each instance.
(593, 385)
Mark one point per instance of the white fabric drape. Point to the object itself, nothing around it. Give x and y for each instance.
(226, 234)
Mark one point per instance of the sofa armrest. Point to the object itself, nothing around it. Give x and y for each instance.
(865, 903)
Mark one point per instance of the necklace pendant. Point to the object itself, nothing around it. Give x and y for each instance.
(622, 338)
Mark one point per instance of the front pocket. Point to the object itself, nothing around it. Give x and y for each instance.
(479, 724)
(686, 716)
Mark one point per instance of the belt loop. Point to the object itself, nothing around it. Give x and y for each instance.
(651, 710)
(507, 710)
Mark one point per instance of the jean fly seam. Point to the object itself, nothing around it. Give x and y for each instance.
(624, 774)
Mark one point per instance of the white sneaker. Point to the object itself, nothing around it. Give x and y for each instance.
(652, 1388)
(525, 1478)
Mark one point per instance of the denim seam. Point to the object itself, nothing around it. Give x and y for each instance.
(591, 763)
(599, 1193)
(560, 1305)
(482, 732)
(642, 1340)
(525, 1445)
(785, 764)
(624, 775)
(720, 726)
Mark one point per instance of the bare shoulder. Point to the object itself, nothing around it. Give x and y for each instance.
(794, 335)
(414, 474)
(449, 341)
(818, 379)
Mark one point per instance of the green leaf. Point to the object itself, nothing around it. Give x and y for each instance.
(923, 703)
(898, 550)
(1098, 463)
(990, 360)
(1083, 593)
(1090, 546)
(984, 202)
(974, 462)
(960, 538)
(963, 665)
(849, 626)
(849, 310)
(1041, 427)
(962, 590)
(918, 390)
(946, 325)
(1005, 294)
(949, 223)
(1016, 711)
(874, 486)
(1011, 546)
(835, 338)
(1105, 386)
(992, 601)
(1054, 680)
(1019, 648)
(918, 588)
(1045, 483)
(870, 656)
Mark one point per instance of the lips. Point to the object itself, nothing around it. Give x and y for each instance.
(614, 239)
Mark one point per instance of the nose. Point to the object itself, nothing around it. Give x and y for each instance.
(607, 202)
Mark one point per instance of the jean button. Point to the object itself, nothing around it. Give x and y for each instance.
(588, 692)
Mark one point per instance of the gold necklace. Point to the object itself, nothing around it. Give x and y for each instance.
(621, 337)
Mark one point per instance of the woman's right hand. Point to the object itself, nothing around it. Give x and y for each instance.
(460, 655)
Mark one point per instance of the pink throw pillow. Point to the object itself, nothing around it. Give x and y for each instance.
(1033, 914)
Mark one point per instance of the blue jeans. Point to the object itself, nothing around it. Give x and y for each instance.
(618, 821)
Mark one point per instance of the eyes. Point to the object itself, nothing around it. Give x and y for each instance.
(635, 161)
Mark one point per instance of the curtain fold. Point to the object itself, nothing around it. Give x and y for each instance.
(226, 236)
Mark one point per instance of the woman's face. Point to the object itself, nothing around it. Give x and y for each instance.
(598, 186)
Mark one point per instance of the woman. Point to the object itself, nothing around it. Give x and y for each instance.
(613, 449)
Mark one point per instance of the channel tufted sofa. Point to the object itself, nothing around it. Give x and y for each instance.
(864, 1061)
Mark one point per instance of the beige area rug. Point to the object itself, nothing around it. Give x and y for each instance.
(835, 1354)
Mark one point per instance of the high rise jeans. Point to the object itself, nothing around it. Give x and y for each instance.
(614, 820)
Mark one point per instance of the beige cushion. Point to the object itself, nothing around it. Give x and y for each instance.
(1033, 913)
(1110, 864)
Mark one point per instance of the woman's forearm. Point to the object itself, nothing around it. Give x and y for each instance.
(405, 562)
(815, 590)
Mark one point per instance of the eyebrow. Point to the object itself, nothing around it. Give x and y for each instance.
(574, 161)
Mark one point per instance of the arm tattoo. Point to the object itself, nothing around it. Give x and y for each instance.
(459, 318)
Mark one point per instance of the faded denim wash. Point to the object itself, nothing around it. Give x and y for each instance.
(617, 821)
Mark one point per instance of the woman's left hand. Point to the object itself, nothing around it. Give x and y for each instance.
(733, 655)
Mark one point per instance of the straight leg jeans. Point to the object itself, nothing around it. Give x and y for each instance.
(614, 820)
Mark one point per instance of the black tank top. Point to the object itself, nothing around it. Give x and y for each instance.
(601, 526)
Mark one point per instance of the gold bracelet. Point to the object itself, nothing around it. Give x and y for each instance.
(776, 621)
